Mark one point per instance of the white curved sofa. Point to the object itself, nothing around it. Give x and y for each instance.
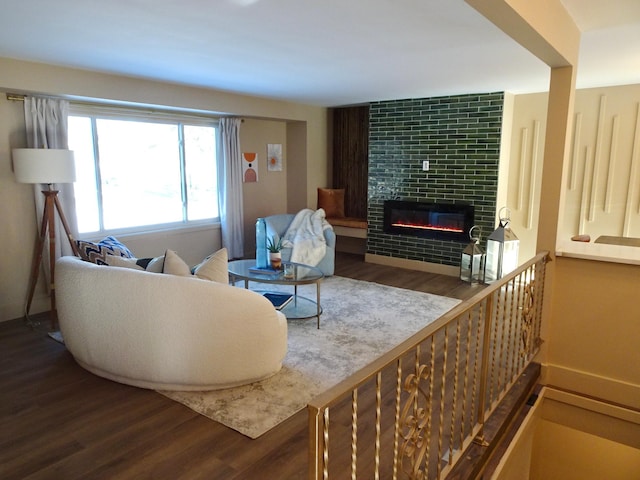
(166, 332)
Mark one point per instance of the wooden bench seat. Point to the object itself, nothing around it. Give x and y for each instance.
(351, 222)
(349, 226)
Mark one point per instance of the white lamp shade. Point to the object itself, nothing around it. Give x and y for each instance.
(44, 165)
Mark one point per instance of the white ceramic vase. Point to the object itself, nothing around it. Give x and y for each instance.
(276, 260)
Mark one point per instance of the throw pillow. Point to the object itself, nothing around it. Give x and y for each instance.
(174, 265)
(118, 261)
(143, 262)
(214, 267)
(331, 200)
(155, 265)
(96, 252)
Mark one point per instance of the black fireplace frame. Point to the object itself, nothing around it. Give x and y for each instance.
(425, 208)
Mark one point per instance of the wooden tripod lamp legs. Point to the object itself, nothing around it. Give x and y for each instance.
(48, 224)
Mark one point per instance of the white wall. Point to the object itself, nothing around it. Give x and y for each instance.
(525, 169)
(18, 232)
(602, 191)
(262, 198)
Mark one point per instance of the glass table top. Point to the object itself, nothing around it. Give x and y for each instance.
(302, 274)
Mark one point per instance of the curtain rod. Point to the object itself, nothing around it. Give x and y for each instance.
(18, 97)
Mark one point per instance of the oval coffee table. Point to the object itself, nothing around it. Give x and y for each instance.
(299, 307)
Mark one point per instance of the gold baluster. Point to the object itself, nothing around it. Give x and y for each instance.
(443, 386)
(466, 376)
(378, 420)
(454, 405)
(396, 434)
(354, 433)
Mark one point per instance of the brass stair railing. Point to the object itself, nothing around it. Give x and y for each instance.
(414, 412)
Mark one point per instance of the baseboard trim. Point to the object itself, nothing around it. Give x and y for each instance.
(413, 264)
(608, 389)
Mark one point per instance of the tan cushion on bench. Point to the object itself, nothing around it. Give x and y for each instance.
(332, 201)
(351, 222)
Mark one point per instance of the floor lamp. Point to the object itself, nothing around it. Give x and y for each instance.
(46, 165)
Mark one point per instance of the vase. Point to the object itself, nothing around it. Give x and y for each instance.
(276, 260)
(261, 243)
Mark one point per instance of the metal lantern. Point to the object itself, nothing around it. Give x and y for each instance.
(502, 249)
(472, 260)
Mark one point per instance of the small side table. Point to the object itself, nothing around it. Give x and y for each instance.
(300, 307)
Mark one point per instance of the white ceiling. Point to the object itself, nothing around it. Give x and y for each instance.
(323, 52)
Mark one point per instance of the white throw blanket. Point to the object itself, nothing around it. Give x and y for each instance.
(306, 235)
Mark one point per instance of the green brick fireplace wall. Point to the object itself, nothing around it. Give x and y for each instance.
(460, 136)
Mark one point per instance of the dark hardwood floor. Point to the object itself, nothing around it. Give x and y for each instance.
(58, 421)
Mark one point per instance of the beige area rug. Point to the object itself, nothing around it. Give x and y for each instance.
(361, 321)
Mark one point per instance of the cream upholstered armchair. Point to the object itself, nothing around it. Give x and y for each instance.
(278, 224)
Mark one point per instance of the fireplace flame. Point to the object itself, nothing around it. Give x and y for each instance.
(420, 226)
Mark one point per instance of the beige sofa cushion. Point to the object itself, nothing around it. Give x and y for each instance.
(214, 267)
(117, 261)
(174, 265)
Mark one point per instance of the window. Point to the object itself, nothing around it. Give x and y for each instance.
(136, 173)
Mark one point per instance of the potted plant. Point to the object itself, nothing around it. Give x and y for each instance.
(275, 256)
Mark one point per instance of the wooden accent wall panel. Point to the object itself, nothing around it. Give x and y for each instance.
(351, 157)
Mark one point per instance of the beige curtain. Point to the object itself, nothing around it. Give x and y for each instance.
(47, 127)
(230, 188)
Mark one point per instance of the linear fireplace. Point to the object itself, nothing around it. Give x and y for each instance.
(442, 221)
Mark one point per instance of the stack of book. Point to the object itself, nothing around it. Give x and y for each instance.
(264, 271)
(279, 300)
